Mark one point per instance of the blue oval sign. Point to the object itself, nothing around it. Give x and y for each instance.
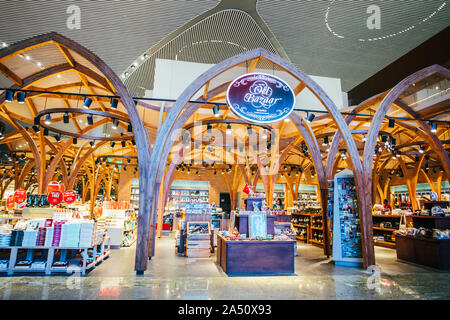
(261, 98)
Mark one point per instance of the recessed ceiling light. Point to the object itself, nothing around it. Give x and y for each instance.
(27, 57)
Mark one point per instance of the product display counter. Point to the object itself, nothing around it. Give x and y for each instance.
(255, 257)
(422, 248)
(428, 252)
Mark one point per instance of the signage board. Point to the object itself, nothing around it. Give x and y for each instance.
(69, 196)
(55, 197)
(20, 196)
(260, 98)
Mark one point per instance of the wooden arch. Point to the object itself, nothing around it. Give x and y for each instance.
(377, 120)
(182, 112)
(111, 82)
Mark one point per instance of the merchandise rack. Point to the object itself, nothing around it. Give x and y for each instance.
(49, 269)
(310, 229)
(183, 196)
(378, 218)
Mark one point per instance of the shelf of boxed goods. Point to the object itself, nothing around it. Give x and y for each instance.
(49, 268)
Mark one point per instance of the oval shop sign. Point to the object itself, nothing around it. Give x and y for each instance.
(261, 98)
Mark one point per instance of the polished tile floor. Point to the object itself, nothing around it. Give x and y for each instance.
(173, 277)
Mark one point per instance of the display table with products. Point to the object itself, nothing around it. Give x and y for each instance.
(428, 243)
(90, 257)
(429, 252)
(44, 245)
(255, 257)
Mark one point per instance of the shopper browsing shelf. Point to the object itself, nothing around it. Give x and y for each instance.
(387, 207)
(278, 204)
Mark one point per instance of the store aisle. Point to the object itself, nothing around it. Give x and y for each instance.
(165, 263)
(174, 277)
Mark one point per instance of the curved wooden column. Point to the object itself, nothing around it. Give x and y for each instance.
(160, 165)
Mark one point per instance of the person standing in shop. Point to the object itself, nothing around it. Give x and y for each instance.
(387, 207)
(278, 205)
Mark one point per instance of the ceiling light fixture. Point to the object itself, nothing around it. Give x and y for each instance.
(87, 102)
(9, 96)
(90, 119)
(114, 103)
(48, 119)
(229, 129)
(21, 97)
(391, 123)
(434, 127)
(66, 118)
(216, 111)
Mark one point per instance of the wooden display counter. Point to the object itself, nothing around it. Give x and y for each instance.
(429, 252)
(255, 257)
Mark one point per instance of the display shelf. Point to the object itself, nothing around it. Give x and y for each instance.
(386, 216)
(385, 244)
(301, 238)
(179, 197)
(311, 223)
(300, 225)
(14, 252)
(385, 229)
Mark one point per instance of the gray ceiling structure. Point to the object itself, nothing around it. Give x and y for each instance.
(322, 37)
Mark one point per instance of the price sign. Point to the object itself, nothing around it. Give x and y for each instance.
(10, 202)
(55, 197)
(20, 196)
(70, 196)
